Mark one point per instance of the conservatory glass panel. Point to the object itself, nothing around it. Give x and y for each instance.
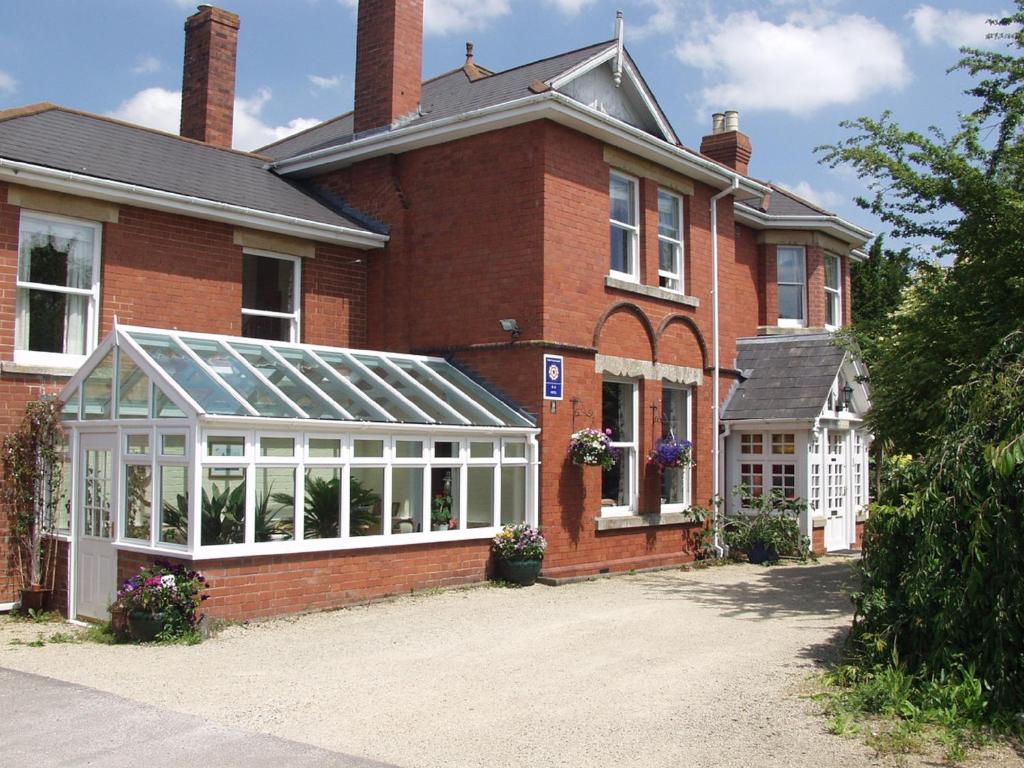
(188, 375)
(322, 515)
(411, 392)
(362, 449)
(470, 410)
(324, 448)
(164, 407)
(340, 391)
(513, 494)
(277, 446)
(466, 385)
(406, 499)
(366, 487)
(132, 390)
(98, 389)
(479, 497)
(297, 390)
(138, 495)
(275, 503)
(238, 377)
(370, 386)
(223, 508)
(137, 445)
(408, 449)
(70, 410)
(172, 445)
(174, 505)
(445, 493)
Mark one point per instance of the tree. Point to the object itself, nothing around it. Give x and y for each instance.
(965, 192)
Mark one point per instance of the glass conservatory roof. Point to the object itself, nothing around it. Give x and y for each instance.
(229, 376)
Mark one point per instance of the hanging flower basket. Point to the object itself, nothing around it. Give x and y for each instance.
(670, 453)
(592, 448)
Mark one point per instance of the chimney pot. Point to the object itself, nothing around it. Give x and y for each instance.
(208, 76)
(469, 52)
(717, 122)
(389, 62)
(732, 120)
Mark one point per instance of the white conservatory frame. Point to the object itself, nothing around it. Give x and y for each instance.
(511, 433)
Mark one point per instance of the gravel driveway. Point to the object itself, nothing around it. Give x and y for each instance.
(671, 668)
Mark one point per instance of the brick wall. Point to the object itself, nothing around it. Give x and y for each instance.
(165, 270)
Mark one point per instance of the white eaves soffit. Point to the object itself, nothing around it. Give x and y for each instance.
(226, 377)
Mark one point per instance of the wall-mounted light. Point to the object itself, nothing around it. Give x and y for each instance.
(511, 326)
(847, 397)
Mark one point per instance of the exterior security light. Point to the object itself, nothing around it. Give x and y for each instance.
(511, 326)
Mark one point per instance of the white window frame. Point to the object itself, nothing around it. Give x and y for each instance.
(58, 359)
(792, 322)
(834, 294)
(687, 471)
(633, 275)
(628, 451)
(295, 316)
(677, 275)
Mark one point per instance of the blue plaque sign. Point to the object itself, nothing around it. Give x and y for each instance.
(553, 367)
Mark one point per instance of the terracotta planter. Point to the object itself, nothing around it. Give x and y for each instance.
(35, 598)
(523, 572)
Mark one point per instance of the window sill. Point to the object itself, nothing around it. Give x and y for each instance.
(651, 292)
(642, 521)
(34, 369)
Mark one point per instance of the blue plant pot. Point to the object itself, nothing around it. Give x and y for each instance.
(144, 627)
(762, 553)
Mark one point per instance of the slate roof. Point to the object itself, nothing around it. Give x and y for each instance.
(788, 377)
(64, 139)
(784, 203)
(447, 95)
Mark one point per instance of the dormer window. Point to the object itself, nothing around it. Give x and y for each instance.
(833, 292)
(625, 232)
(792, 281)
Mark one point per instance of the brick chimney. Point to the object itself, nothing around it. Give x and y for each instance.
(208, 81)
(725, 143)
(389, 62)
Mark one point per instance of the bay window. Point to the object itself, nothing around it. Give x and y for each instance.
(792, 284)
(625, 230)
(833, 292)
(58, 290)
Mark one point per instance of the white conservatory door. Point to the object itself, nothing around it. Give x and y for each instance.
(836, 507)
(96, 568)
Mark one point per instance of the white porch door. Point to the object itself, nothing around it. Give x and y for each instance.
(96, 569)
(836, 507)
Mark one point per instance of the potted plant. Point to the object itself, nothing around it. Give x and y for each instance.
(771, 529)
(161, 601)
(592, 447)
(32, 480)
(441, 512)
(519, 548)
(670, 453)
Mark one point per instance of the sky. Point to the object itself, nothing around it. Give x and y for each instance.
(793, 68)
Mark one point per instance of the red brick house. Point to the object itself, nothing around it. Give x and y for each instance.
(246, 288)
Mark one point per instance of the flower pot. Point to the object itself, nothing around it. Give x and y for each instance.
(761, 553)
(144, 627)
(523, 572)
(34, 598)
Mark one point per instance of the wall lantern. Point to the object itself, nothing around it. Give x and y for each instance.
(511, 326)
(847, 397)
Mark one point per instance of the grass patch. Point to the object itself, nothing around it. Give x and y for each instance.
(898, 713)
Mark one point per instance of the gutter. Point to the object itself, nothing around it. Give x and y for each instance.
(716, 440)
(132, 194)
(847, 230)
(550, 104)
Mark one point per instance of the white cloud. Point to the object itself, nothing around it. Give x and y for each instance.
(823, 198)
(8, 84)
(161, 109)
(146, 65)
(324, 82)
(570, 7)
(442, 17)
(954, 27)
(797, 66)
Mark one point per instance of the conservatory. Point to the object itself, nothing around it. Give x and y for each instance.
(199, 446)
